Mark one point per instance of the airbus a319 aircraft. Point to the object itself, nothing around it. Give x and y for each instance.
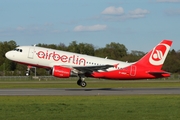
(64, 64)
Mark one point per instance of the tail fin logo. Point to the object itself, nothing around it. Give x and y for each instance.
(159, 54)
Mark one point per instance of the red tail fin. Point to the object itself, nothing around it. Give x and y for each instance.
(156, 57)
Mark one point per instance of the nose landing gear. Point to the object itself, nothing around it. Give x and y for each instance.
(27, 71)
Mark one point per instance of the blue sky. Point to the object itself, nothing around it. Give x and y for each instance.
(138, 24)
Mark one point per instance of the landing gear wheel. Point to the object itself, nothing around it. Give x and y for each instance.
(83, 84)
(79, 82)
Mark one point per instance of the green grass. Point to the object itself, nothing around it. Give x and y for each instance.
(91, 83)
(125, 107)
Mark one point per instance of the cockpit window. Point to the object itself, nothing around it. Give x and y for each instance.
(17, 49)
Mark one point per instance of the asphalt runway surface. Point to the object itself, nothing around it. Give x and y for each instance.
(87, 91)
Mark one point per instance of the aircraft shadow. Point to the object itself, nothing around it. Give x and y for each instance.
(117, 89)
(89, 89)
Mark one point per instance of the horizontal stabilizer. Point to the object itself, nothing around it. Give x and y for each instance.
(159, 72)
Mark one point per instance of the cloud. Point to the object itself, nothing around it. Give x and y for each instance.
(137, 13)
(19, 28)
(48, 24)
(113, 15)
(46, 28)
(97, 27)
(113, 10)
(170, 1)
(31, 28)
(173, 12)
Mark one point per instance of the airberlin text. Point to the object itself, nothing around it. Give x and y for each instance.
(63, 58)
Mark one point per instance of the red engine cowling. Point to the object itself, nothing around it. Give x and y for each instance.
(61, 72)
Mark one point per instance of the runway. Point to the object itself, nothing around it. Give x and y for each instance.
(87, 91)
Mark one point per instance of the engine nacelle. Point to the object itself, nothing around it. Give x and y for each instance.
(61, 72)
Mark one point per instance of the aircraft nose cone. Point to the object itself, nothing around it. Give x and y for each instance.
(8, 55)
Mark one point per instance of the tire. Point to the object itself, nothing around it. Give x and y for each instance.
(83, 84)
(79, 82)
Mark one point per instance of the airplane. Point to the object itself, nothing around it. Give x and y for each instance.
(64, 64)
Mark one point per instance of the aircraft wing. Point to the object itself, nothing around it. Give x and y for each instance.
(93, 68)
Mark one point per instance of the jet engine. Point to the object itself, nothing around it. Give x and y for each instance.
(61, 72)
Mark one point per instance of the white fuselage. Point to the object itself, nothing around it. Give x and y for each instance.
(45, 57)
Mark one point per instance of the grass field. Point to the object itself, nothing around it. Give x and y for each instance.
(135, 107)
(91, 83)
(126, 107)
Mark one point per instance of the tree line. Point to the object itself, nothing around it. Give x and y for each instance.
(113, 50)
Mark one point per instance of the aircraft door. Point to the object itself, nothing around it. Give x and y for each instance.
(133, 70)
(31, 52)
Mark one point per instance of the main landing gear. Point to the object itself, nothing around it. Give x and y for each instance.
(81, 82)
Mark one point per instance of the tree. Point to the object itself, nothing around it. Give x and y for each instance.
(62, 46)
(133, 56)
(172, 62)
(85, 48)
(113, 51)
(4, 47)
(73, 47)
